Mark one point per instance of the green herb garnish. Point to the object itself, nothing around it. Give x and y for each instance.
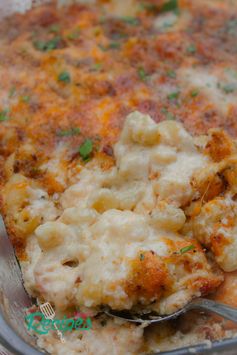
(26, 99)
(114, 45)
(142, 74)
(4, 115)
(54, 28)
(103, 48)
(74, 34)
(69, 132)
(191, 49)
(171, 5)
(133, 21)
(228, 88)
(86, 149)
(232, 26)
(186, 249)
(169, 115)
(194, 93)
(12, 92)
(96, 67)
(171, 74)
(64, 77)
(142, 257)
(46, 46)
(174, 95)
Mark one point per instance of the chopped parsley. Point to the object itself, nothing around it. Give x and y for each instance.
(232, 26)
(65, 77)
(228, 88)
(25, 99)
(54, 28)
(69, 132)
(142, 257)
(231, 72)
(96, 67)
(12, 92)
(46, 46)
(142, 74)
(119, 35)
(103, 48)
(194, 93)
(186, 249)
(86, 149)
(171, 74)
(171, 5)
(75, 34)
(133, 21)
(114, 45)
(174, 95)
(191, 49)
(169, 115)
(4, 115)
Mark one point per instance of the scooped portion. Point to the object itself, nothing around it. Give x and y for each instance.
(124, 235)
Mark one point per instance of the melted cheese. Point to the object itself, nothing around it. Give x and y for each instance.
(117, 221)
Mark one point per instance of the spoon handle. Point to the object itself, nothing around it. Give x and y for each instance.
(215, 307)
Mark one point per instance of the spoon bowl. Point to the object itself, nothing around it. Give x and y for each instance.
(203, 304)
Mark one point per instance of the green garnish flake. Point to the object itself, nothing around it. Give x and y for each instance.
(69, 132)
(142, 74)
(228, 88)
(194, 93)
(86, 149)
(65, 77)
(232, 26)
(171, 74)
(25, 99)
(169, 115)
(171, 5)
(4, 115)
(133, 21)
(12, 92)
(114, 45)
(103, 48)
(232, 72)
(55, 28)
(186, 249)
(142, 257)
(75, 34)
(97, 67)
(46, 46)
(191, 49)
(174, 95)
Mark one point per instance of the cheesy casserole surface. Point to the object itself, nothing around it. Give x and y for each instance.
(119, 164)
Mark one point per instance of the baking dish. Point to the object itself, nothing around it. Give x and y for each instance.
(13, 302)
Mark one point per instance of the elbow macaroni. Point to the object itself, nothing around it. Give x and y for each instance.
(120, 226)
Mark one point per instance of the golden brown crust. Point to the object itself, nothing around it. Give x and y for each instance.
(149, 277)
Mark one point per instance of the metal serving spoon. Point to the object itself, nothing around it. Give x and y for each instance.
(198, 303)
